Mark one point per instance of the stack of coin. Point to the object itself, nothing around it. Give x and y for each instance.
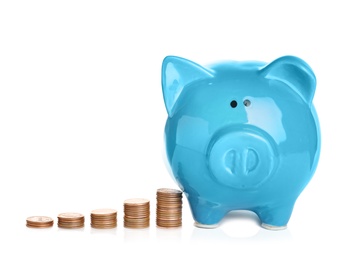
(136, 213)
(169, 208)
(103, 218)
(70, 220)
(39, 222)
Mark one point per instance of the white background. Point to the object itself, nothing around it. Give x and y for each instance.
(82, 120)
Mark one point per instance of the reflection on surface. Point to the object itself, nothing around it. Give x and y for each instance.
(240, 226)
(70, 229)
(136, 235)
(237, 227)
(168, 233)
(109, 231)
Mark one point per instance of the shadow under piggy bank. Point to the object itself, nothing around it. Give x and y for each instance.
(240, 226)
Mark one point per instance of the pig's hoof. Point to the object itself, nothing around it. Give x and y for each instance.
(271, 227)
(199, 225)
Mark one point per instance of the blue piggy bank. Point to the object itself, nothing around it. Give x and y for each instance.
(241, 136)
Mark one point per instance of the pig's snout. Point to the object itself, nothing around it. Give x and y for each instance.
(242, 157)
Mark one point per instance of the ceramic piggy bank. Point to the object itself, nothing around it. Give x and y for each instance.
(241, 136)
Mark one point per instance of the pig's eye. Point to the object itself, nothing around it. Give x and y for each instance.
(246, 103)
(234, 104)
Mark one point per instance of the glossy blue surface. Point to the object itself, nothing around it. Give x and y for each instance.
(241, 136)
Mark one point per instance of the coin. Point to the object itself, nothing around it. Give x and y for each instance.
(103, 218)
(136, 202)
(169, 208)
(136, 213)
(39, 222)
(70, 220)
(105, 226)
(69, 226)
(71, 216)
(104, 212)
(169, 192)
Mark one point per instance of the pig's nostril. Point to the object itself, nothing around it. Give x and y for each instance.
(246, 102)
(234, 104)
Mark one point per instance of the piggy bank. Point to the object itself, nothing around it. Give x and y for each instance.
(241, 136)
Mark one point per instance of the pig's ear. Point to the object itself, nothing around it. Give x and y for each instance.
(176, 74)
(295, 73)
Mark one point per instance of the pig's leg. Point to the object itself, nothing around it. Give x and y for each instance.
(206, 214)
(275, 217)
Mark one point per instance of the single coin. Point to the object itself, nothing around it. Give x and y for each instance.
(39, 219)
(169, 191)
(136, 201)
(70, 216)
(105, 212)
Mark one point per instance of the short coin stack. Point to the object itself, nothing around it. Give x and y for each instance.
(136, 213)
(39, 222)
(70, 220)
(169, 208)
(103, 218)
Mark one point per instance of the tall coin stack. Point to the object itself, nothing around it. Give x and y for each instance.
(103, 218)
(169, 208)
(136, 213)
(70, 220)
